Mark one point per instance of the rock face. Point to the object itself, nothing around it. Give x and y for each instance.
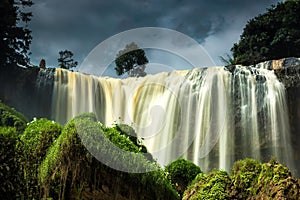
(287, 70)
(28, 90)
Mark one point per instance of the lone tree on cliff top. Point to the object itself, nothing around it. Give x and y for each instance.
(66, 60)
(132, 60)
(272, 35)
(14, 38)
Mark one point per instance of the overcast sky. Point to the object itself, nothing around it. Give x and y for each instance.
(81, 25)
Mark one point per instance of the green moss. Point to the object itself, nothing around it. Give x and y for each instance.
(9, 132)
(10, 173)
(273, 171)
(157, 185)
(276, 182)
(54, 153)
(10, 117)
(211, 186)
(181, 172)
(38, 136)
(244, 177)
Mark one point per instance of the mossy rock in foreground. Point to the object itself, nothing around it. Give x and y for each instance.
(276, 182)
(250, 180)
(69, 170)
(211, 186)
(244, 177)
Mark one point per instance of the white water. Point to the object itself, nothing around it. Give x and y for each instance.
(212, 117)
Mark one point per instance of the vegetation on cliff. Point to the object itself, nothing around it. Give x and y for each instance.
(272, 35)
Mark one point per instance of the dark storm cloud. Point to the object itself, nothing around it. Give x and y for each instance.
(82, 24)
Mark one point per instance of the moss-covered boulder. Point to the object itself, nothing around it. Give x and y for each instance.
(250, 180)
(70, 171)
(275, 181)
(244, 177)
(181, 173)
(211, 186)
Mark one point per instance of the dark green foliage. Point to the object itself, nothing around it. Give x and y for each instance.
(131, 60)
(124, 129)
(211, 186)
(10, 174)
(181, 172)
(14, 39)
(10, 117)
(244, 177)
(66, 60)
(34, 142)
(272, 35)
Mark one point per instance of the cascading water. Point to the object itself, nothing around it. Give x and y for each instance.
(211, 116)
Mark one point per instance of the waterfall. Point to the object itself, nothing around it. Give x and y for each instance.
(211, 116)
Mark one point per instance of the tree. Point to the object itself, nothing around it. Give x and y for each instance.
(272, 35)
(14, 38)
(65, 60)
(132, 60)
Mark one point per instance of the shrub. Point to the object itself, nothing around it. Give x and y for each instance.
(34, 143)
(10, 173)
(181, 172)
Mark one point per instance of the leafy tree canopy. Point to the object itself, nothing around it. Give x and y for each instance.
(66, 60)
(272, 35)
(132, 60)
(14, 38)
